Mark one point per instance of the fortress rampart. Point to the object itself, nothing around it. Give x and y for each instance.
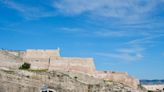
(84, 65)
(30, 53)
(39, 59)
(51, 60)
(9, 59)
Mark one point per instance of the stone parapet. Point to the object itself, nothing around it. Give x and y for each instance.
(30, 53)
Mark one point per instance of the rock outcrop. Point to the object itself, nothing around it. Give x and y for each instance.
(58, 81)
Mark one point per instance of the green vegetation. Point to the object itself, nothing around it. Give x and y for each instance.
(41, 70)
(75, 77)
(25, 66)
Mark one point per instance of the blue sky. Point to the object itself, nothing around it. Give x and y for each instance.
(121, 35)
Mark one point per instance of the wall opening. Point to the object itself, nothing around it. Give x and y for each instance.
(48, 90)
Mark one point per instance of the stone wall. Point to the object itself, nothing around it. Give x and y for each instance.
(39, 59)
(41, 53)
(8, 56)
(118, 77)
(83, 65)
(51, 60)
(38, 63)
(9, 60)
(11, 65)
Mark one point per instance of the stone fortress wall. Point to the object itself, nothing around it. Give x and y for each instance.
(51, 60)
(30, 53)
(83, 65)
(9, 59)
(39, 59)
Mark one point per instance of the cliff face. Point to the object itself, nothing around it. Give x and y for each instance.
(57, 81)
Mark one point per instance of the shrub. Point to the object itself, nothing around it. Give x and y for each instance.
(75, 77)
(150, 91)
(25, 66)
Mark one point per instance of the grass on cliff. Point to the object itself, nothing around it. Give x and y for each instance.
(38, 71)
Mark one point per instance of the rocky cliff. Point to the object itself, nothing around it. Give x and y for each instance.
(58, 81)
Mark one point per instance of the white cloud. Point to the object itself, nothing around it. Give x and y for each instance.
(134, 54)
(130, 50)
(128, 9)
(29, 12)
(71, 30)
(151, 38)
(111, 33)
(116, 33)
(122, 9)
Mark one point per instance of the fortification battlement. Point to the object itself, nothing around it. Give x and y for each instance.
(38, 53)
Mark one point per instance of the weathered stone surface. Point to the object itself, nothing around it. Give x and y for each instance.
(9, 60)
(118, 77)
(30, 53)
(155, 87)
(24, 81)
(51, 60)
(84, 65)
